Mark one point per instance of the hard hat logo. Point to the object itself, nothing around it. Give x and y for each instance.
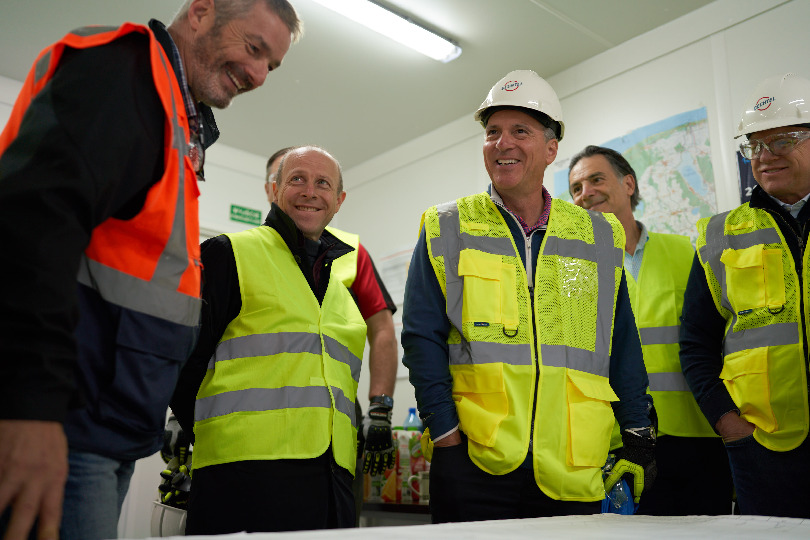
(763, 103)
(511, 86)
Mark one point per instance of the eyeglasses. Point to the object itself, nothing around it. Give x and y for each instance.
(196, 152)
(780, 146)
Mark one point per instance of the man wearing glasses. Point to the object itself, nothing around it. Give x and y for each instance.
(744, 327)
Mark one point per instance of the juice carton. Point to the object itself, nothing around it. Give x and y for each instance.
(403, 468)
(418, 463)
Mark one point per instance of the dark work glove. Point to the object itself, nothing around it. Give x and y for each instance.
(379, 450)
(176, 485)
(635, 461)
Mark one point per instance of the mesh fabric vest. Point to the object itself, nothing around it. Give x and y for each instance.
(752, 278)
(505, 342)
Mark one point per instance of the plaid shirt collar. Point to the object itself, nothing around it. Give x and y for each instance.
(188, 100)
(541, 223)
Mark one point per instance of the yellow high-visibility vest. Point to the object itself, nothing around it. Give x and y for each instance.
(657, 299)
(494, 320)
(283, 381)
(752, 278)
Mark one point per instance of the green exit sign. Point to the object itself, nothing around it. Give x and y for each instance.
(246, 215)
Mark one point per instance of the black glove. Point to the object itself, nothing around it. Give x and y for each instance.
(379, 450)
(176, 485)
(635, 461)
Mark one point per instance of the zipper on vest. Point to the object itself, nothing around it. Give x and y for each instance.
(528, 267)
(530, 285)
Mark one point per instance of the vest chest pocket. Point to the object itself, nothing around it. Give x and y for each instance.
(490, 289)
(754, 278)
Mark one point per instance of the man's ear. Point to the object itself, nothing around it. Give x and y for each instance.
(340, 199)
(201, 14)
(551, 151)
(629, 183)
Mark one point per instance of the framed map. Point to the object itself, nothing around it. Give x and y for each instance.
(672, 160)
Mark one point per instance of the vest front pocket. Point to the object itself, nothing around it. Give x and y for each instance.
(481, 401)
(745, 375)
(590, 418)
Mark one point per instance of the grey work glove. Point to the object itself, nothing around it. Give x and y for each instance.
(635, 461)
(379, 450)
(175, 442)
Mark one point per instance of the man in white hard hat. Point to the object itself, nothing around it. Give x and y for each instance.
(744, 329)
(519, 335)
(657, 267)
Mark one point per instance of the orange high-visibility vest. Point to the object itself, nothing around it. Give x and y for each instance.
(150, 263)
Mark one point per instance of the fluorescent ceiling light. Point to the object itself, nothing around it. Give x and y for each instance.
(395, 27)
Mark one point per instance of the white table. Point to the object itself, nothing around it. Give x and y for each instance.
(596, 527)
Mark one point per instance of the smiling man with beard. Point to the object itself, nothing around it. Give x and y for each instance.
(100, 288)
(273, 382)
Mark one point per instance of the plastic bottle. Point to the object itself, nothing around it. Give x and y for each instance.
(618, 496)
(412, 422)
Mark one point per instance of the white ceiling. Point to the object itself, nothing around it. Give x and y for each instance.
(355, 92)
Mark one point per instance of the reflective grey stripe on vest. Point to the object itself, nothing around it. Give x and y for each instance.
(607, 258)
(285, 342)
(159, 296)
(764, 336)
(41, 68)
(489, 353)
(716, 242)
(673, 381)
(272, 399)
(85, 31)
(449, 244)
(659, 335)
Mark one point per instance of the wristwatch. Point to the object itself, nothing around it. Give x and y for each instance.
(382, 399)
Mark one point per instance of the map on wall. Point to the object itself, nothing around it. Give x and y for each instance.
(672, 160)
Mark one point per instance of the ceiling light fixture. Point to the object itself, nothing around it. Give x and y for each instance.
(395, 27)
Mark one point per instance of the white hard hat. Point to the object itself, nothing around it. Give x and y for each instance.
(778, 101)
(524, 89)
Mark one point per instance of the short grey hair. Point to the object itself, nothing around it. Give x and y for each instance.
(228, 10)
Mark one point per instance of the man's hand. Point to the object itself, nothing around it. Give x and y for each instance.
(379, 450)
(453, 439)
(733, 428)
(635, 461)
(33, 471)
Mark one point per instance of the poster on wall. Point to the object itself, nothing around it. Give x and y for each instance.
(672, 160)
(746, 175)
